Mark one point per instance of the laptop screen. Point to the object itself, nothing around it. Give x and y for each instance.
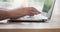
(48, 7)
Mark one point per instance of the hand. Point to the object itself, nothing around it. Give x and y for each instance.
(30, 11)
(17, 13)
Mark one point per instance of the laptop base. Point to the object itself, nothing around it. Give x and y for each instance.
(27, 21)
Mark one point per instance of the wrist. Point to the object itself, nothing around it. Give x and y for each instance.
(15, 14)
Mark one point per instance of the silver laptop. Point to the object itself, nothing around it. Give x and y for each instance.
(45, 15)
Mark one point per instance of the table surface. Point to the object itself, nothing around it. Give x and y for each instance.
(53, 23)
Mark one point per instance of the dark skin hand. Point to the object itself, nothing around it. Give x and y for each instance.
(19, 12)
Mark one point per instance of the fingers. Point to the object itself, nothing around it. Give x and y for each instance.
(33, 11)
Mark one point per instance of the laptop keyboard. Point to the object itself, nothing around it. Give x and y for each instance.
(35, 17)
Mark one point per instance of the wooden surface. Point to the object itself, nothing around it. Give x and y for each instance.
(30, 30)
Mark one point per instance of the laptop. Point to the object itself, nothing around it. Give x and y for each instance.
(43, 6)
(44, 16)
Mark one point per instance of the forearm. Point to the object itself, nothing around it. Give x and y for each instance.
(3, 14)
(16, 13)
